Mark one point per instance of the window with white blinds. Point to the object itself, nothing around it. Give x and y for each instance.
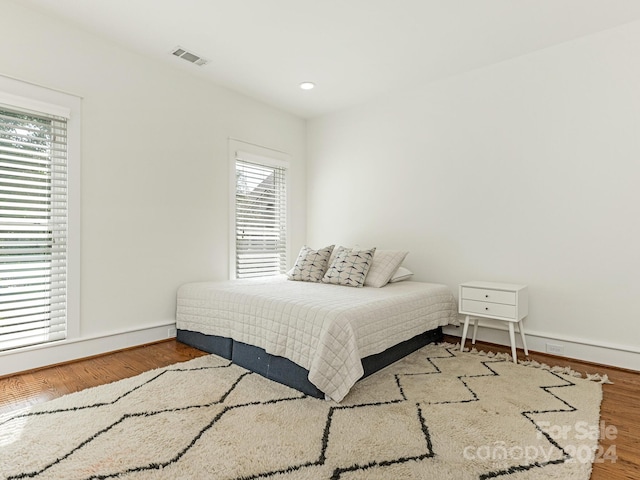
(33, 228)
(260, 216)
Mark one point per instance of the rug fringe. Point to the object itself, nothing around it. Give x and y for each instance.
(594, 377)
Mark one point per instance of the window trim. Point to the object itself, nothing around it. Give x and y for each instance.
(257, 154)
(23, 95)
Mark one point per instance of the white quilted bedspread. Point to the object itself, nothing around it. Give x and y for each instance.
(325, 329)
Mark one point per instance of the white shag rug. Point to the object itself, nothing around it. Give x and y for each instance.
(437, 414)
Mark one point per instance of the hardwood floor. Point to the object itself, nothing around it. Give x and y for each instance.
(44, 384)
(620, 405)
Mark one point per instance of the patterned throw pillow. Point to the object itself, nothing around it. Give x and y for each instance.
(311, 264)
(385, 264)
(349, 267)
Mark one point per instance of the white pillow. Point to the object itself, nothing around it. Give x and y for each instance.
(349, 267)
(311, 265)
(385, 264)
(401, 274)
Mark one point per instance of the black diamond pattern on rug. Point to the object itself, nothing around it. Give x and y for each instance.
(398, 423)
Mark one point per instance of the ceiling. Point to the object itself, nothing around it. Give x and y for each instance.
(353, 50)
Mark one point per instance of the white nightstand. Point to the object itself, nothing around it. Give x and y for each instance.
(500, 301)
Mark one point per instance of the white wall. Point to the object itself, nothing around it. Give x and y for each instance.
(155, 188)
(525, 171)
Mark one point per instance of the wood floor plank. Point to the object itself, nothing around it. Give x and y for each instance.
(620, 405)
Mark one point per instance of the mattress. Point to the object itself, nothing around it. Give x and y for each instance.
(325, 329)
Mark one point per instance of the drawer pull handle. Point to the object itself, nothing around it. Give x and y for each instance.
(486, 308)
(486, 296)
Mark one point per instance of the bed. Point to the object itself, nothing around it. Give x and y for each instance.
(318, 338)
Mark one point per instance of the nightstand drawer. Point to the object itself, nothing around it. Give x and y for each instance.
(488, 308)
(486, 295)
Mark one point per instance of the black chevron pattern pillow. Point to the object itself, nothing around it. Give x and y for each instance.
(349, 267)
(311, 265)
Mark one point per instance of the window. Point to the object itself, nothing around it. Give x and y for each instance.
(260, 215)
(34, 220)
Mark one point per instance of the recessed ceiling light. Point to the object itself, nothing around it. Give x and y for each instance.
(307, 85)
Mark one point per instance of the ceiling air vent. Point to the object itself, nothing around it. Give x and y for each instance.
(189, 56)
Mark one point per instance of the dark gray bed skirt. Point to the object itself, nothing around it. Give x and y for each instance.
(282, 370)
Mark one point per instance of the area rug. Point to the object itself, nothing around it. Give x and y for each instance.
(437, 414)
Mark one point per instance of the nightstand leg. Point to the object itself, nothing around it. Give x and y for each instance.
(475, 331)
(524, 342)
(464, 333)
(512, 337)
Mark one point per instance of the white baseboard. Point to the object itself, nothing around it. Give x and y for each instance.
(67, 350)
(622, 356)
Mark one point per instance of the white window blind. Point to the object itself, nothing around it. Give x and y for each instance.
(260, 217)
(33, 228)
